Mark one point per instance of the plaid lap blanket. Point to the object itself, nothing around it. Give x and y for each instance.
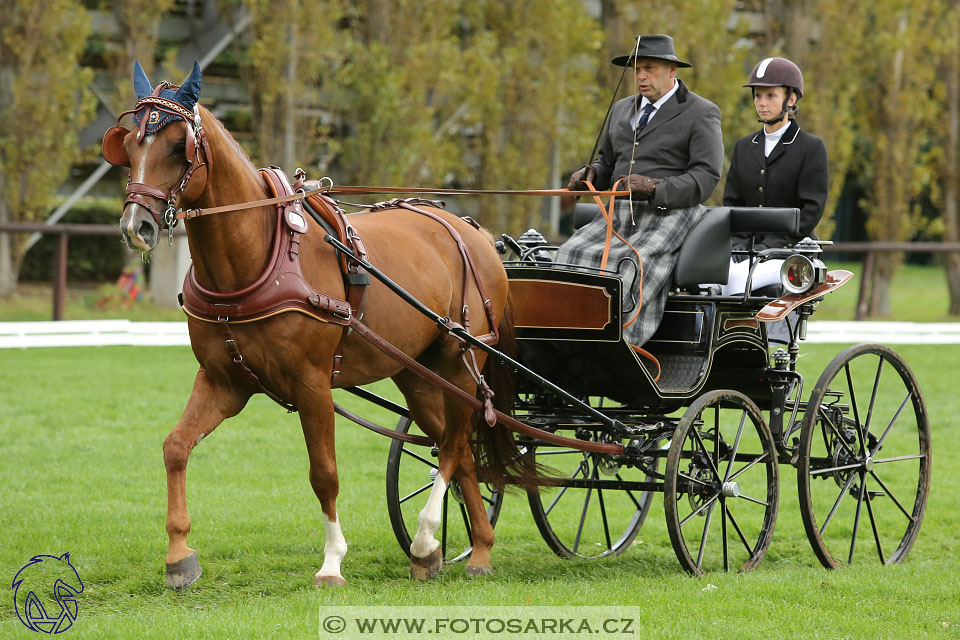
(657, 236)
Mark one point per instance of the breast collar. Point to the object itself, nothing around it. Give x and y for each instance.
(280, 288)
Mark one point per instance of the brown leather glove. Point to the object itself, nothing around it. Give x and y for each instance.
(577, 177)
(642, 186)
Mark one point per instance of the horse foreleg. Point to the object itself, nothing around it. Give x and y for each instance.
(317, 421)
(209, 405)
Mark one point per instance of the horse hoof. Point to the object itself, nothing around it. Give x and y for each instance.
(475, 571)
(183, 573)
(330, 581)
(426, 568)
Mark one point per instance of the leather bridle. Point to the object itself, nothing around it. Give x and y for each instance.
(197, 153)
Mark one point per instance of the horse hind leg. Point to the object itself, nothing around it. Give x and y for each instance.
(209, 405)
(431, 412)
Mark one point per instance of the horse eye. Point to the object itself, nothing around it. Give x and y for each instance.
(179, 149)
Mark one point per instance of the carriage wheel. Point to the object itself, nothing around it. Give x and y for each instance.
(722, 485)
(411, 470)
(863, 471)
(588, 521)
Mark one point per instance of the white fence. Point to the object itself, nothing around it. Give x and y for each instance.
(98, 333)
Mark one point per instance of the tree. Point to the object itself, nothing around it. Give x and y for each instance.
(949, 159)
(44, 101)
(288, 59)
(898, 108)
(535, 103)
(826, 38)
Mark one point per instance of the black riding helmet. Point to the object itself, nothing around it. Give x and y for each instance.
(777, 72)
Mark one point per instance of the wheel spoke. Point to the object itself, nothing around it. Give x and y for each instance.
(836, 432)
(703, 538)
(899, 458)
(583, 519)
(419, 457)
(416, 493)
(700, 509)
(856, 517)
(753, 500)
(692, 479)
(890, 494)
(466, 523)
(703, 447)
(873, 397)
(736, 444)
(743, 538)
(855, 465)
(853, 405)
(603, 516)
(836, 504)
(747, 466)
(876, 532)
(723, 532)
(896, 416)
(563, 490)
(630, 495)
(556, 452)
(443, 537)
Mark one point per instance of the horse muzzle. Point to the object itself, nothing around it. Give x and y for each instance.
(139, 228)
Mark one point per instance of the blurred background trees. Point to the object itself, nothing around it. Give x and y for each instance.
(488, 94)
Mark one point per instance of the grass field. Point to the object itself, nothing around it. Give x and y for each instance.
(82, 471)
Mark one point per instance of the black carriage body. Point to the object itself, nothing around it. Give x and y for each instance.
(702, 343)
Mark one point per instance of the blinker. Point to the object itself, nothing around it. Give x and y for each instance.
(113, 150)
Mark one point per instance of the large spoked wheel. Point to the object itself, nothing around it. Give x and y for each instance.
(722, 485)
(411, 470)
(594, 511)
(863, 470)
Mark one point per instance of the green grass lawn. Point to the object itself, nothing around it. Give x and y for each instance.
(82, 471)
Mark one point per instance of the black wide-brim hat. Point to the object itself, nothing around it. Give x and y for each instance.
(653, 46)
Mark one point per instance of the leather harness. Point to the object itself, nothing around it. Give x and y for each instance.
(282, 288)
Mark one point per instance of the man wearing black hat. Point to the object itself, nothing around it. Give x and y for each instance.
(666, 142)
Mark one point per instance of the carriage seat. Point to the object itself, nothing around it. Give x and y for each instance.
(705, 254)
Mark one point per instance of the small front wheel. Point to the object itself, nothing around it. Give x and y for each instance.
(722, 485)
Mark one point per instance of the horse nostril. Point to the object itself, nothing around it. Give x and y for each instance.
(146, 232)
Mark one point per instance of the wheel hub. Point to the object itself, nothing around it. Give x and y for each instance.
(731, 490)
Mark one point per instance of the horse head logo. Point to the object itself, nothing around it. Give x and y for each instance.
(45, 593)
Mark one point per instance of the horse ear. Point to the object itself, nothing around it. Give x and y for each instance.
(189, 91)
(141, 83)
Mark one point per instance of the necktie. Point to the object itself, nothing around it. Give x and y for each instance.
(644, 117)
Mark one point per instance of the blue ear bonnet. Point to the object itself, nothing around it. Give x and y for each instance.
(186, 96)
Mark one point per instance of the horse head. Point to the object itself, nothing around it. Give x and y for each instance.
(167, 153)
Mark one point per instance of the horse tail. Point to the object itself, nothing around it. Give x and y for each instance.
(498, 458)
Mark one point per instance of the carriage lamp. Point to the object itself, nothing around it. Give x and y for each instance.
(530, 240)
(799, 273)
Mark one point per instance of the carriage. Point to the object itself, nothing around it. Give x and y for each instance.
(707, 421)
(289, 297)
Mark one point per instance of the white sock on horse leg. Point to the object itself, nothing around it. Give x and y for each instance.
(334, 548)
(429, 521)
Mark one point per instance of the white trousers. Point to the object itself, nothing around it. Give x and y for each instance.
(766, 273)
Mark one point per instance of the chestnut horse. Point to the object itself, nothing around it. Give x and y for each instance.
(292, 353)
